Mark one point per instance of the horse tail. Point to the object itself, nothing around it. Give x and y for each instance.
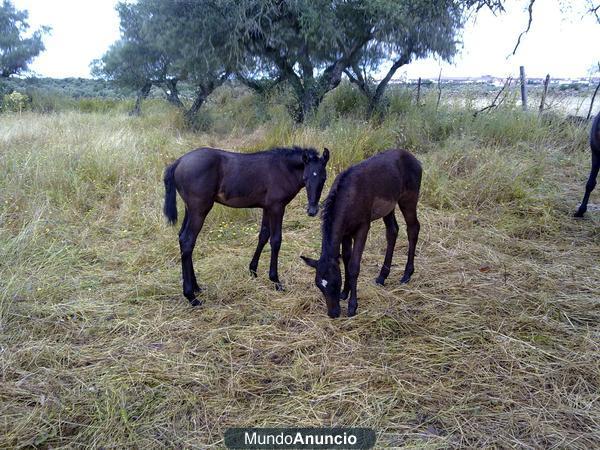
(170, 208)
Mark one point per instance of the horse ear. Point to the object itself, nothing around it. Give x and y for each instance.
(305, 157)
(310, 262)
(325, 155)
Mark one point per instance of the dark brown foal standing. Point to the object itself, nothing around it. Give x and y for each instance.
(267, 180)
(591, 183)
(365, 192)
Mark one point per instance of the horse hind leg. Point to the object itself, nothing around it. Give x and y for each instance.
(590, 185)
(391, 234)
(409, 211)
(187, 241)
(184, 224)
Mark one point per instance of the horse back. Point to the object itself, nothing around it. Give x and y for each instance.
(394, 170)
(377, 184)
(239, 180)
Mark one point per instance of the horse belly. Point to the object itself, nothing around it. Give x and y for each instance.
(381, 208)
(233, 201)
(241, 194)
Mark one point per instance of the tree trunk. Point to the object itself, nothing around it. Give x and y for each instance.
(310, 101)
(190, 114)
(172, 93)
(203, 90)
(137, 109)
(374, 97)
(544, 93)
(311, 92)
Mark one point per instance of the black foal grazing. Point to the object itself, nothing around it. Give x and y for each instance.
(361, 194)
(267, 180)
(591, 183)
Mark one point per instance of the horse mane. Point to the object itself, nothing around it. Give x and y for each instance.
(328, 212)
(293, 152)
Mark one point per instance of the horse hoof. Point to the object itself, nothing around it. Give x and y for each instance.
(195, 302)
(344, 295)
(579, 214)
(279, 287)
(351, 312)
(380, 281)
(253, 273)
(405, 279)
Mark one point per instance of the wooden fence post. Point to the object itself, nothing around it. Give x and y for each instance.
(589, 114)
(523, 88)
(437, 105)
(418, 91)
(544, 92)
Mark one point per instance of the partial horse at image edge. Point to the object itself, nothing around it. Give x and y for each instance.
(591, 183)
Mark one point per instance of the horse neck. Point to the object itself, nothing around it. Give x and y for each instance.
(332, 237)
(295, 167)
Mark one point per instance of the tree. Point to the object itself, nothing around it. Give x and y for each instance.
(163, 43)
(136, 61)
(16, 50)
(197, 37)
(405, 31)
(311, 43)
(305, 43)
(409, 30)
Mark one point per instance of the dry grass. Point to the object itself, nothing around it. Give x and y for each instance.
(495, 342)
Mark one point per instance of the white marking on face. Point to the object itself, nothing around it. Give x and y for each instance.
(314, 174)
(324, 283)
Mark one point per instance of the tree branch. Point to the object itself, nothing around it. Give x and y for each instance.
(530, 10)
(403, 60)
(594, 9)
(494, 104)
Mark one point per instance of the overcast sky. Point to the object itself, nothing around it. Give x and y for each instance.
(562, 43)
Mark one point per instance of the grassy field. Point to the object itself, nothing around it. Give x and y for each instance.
(494, 342)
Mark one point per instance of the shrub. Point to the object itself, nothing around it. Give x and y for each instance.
(16, 102)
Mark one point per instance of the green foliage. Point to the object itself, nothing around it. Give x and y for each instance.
(15, 102)
(163, 43)
(304, 44)
(17, 51)
(343, 101)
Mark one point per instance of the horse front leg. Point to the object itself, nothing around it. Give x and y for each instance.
(391, 233)
(346, 254)
(275, 224)
(590, 185)
(360, 238)
(263, 238)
